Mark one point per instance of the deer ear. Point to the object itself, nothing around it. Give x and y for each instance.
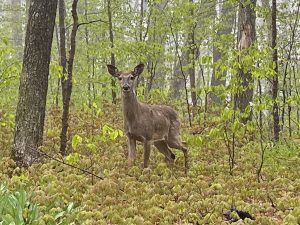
(138, 69)
(113, 70)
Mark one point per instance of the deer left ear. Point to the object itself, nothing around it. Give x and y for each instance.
(138, 69)
(112, 70)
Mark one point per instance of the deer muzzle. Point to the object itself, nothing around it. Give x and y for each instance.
(126, 88)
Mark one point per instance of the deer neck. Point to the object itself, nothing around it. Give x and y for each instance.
(130, 106)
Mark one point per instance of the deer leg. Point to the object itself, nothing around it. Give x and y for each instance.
(164, 149)
(131, 151)
(176, 143)
(146, 154)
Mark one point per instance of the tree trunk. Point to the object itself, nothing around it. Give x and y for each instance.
(227, 12)
(141, 79)
(247, 35)
(30, 113)
(191, 57)
(66, 82)
(86, 34)
(112, 55)
(58, 79)
(267, 25)
(285, 71)
(62, 38)
(177, 82)
(276, 127)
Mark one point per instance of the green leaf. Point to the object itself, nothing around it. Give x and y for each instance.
(70, 207)
(75, 141)
(8, 219)
(92, 147)
(59, 215)
(73, 158)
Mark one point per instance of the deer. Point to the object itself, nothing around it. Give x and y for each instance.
(149, 124)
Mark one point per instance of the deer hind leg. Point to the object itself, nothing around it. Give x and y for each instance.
(131, 151)
(146, 154)
(164, 149)
(175, 142)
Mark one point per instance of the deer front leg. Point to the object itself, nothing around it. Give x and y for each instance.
(146, 154)
(131, 151)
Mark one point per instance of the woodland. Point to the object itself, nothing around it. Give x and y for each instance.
(230, 69)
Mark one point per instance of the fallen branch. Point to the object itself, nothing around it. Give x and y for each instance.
(68, 164)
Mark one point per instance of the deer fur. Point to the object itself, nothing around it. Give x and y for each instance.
(149, 124)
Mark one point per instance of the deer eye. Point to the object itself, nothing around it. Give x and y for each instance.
(119, 78)
(132, 78)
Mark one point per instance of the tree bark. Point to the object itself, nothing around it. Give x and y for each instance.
(30, 113)
(62, 41)
(276, 127)
(247, 35)
(66, 82)
(177, 82)
(112, 55)
(86, 34)
(226, 29)
(191, 57)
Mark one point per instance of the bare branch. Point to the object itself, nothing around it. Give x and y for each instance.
(92, 21)
(68, 164)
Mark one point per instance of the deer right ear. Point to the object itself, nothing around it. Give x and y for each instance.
(138, 69)
(113, 70)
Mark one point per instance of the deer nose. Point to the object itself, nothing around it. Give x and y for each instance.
(126, 87)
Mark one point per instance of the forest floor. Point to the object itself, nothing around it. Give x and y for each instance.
(159, 194)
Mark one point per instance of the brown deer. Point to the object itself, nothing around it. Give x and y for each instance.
(157, 124)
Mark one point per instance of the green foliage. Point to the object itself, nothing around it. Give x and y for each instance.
(73, 158)
(159, 194)
(9, 73)
(75, 141)
(17, 207)
(111, 133)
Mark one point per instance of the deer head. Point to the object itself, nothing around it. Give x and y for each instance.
(126, 78)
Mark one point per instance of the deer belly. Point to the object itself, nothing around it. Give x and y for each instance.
(160, 132)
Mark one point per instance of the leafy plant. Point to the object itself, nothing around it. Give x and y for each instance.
(16, 208)
(111, 133)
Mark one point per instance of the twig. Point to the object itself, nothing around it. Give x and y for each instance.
(92, 21)
(272, 203)
(67, 164)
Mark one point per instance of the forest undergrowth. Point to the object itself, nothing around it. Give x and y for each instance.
(50, 192)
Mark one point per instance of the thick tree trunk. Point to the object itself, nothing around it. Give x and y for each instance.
(247, 35)
(276, 127)
(67, 82)
(30, 113)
